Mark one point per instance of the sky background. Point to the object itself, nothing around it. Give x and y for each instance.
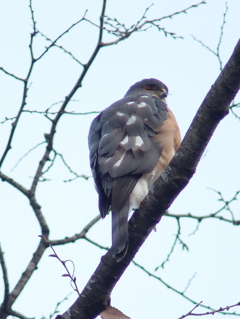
(189, 70)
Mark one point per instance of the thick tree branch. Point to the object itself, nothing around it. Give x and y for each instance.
(5, 311)
(96, 294)
(28, 272)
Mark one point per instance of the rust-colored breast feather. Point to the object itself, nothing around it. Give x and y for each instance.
(169, 138)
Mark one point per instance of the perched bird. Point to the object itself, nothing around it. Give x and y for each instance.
(131, 142)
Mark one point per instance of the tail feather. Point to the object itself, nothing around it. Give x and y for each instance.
(120, 232)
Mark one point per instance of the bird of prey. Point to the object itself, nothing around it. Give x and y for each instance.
(131, 142)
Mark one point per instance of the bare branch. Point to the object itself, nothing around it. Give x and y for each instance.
(53, 43)
(32, 16)
(122, 32)
(235, 105)
(54, 113)
(82, 234)
(200, 218)
(4, 305)
(214, 215)
(221, 36)
(181, 293)
(12, 75)
(220, 310)
(189, 282)
(217, 52)
(173, 246)
(17, 314)
(15, 184)
(73, 279)
(60, 36)
(14, 124)
(96, 244)
(24, 278)
(184, 10)
(8, 119)
(28, 152)
(69, 168)
(56, 311)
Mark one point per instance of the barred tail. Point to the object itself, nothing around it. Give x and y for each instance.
(120, 232)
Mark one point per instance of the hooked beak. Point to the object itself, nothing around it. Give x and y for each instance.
(163, 94)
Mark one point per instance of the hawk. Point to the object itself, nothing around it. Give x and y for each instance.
(131, 142)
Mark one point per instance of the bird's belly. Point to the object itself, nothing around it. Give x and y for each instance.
(142, 188)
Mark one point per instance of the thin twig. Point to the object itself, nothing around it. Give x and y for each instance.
(181, 293)
(189, 283)
(31, 149)
(217, 52)
(61, 47)
(61, 35)
(15, 184)
(177, 238)
(119, 29)
(220, 310)
(12, 75)
(73, 280)
(56, 311)
(8, 119)
(214, 215)
(54, 113)
(69, 168)
(75, 237)
(235, 105)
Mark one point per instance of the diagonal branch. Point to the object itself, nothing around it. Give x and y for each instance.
(12, 75)
(181, 293)
(96, 294)
(53, 43)
(75, 237)
(26, 275)
(15, 184)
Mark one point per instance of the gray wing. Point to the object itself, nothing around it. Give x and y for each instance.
(122, 147)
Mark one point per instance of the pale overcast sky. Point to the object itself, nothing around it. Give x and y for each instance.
(189, 70)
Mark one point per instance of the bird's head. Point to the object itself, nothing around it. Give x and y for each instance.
(153, 87)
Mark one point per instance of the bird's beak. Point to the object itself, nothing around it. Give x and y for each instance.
(163, 94)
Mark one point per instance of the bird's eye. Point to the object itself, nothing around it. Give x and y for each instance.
(148, 87)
